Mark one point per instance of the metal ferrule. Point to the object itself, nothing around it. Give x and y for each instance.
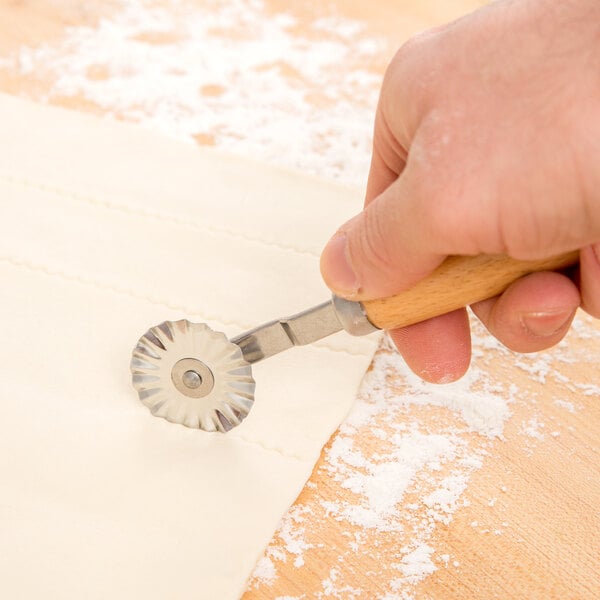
(352, 316)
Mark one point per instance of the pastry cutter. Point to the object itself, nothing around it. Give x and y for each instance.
(189, 374)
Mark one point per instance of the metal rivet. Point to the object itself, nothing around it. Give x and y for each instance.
(191, 379)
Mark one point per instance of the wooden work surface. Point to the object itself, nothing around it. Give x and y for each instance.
(511, 511)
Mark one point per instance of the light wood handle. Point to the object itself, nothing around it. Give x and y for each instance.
(457, 282)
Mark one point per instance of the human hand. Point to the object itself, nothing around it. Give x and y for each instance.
(487, 140)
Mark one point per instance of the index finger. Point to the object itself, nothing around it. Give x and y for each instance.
(387, 161)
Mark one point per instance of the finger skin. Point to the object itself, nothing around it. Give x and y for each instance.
(533, 314)
(439, 349)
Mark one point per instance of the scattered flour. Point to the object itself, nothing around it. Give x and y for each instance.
(588, 389)
(265, 571)
(291, 542)
(533, 428)
(419, 455)
(566, 405)
(333, 589)
(291, 533)
(228, 73)
(416, 564)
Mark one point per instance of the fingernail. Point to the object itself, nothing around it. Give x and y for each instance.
(546, 324)
(336, 268)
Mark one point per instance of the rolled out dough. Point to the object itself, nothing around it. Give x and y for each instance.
(105, 230)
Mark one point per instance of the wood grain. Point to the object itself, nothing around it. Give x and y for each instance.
(459, 281)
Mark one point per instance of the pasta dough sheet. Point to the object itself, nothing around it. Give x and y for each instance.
(105, 230)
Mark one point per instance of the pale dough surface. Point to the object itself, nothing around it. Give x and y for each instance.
(105, 230)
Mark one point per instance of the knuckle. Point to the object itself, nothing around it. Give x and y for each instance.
(404, 76)
(410, 49)
(402, 57)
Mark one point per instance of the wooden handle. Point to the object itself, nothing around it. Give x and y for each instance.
(457, 282)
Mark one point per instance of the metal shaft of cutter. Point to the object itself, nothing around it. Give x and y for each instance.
(303, 328)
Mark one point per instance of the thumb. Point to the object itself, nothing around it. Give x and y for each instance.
(384, 249)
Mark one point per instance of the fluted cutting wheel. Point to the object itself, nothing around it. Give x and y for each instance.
(189, 374)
